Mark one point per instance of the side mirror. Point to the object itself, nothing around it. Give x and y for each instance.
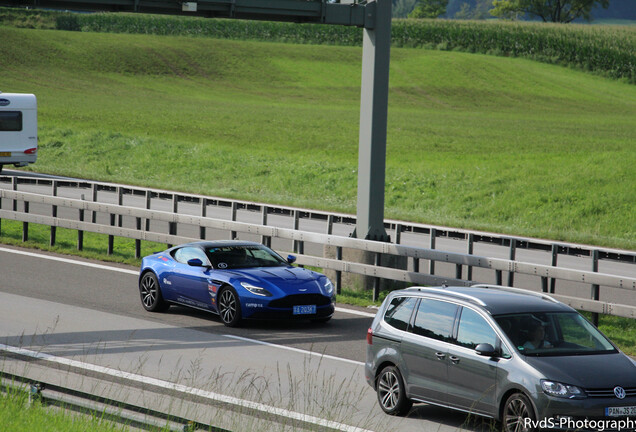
(486, 350)
(291, 259)
(195, 262)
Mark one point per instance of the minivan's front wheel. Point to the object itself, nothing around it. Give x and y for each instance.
(391, 392)
(518, 414)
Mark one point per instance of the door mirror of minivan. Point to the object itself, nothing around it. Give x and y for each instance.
(486, 350)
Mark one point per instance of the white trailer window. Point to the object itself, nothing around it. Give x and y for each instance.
(10, 121)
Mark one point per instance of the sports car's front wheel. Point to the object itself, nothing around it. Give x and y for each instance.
(229, 307)
(150, 293)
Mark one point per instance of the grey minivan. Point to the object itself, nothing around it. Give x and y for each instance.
(519, 357)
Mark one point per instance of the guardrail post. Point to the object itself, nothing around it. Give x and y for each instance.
(498, 277)
(338, 272)
(80, 233)
(148, 198)
(398, 233)
(111, 238)
(555, 255)
(431, 263)
(469, 251)
(204, 213)
(120, 201)
(25, 225)
(14, 186)
(53, 213)
(266, 240)
(138, 241)
(296, 226)
(513, 254)
(376, 280)
(94, 215)
(172, 226)
(338, 255)
(596, 289)
(234, 210)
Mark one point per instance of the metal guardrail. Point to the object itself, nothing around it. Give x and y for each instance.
(140, 231)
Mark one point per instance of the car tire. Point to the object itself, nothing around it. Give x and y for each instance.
(391, 392)
(229, 307)
(150, 293)
(516, 410)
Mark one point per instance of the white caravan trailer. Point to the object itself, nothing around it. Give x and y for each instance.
(18, 129)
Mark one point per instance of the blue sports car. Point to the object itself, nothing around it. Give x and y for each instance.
(235, 280)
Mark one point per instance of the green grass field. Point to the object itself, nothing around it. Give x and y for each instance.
(498, 144)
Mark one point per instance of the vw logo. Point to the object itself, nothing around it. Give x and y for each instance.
(619, 392)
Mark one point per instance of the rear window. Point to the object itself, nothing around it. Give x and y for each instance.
(10, 121)
(399, 312)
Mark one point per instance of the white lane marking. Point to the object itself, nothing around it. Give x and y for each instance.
(184, 389)
(298, 350)
(70, 261)
(355, 312)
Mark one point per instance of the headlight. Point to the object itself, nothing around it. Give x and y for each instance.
(328, 286)
(561, 390)
(256, 290)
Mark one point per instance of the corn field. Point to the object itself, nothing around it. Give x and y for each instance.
(603, 49)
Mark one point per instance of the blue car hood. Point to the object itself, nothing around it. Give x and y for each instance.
(588, 371)
(288, 279)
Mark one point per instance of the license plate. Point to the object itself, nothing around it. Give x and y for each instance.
(620, 411)
(305, 310)
(5, 154)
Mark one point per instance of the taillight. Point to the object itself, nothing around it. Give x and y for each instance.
(370, 336)
(31, 150)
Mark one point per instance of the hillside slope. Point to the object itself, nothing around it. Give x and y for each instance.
(491, 143)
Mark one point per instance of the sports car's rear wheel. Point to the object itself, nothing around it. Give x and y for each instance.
(229, 307)
(150, 293)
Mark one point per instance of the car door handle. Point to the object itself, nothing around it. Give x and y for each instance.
(440, 355)
(454, 359)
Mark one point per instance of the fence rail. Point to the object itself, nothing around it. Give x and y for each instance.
(72, 213)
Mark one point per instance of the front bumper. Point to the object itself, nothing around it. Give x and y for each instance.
(592, 410)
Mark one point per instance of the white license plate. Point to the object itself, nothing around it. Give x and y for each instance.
(620, 411)
(305, 310)
(5, 154)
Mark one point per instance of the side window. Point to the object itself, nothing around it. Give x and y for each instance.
(474, 329)
(185, 254)
(10, 121)
(398, 314)
(435, 319)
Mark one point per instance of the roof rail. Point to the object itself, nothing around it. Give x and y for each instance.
(448, 292)
(516, 290)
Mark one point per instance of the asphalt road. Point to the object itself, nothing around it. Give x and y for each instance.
(90, 314)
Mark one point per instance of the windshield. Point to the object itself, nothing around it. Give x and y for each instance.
(556, 333)
(234, 257)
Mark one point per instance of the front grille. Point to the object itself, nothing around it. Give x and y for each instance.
(300, 300)
(609, 392)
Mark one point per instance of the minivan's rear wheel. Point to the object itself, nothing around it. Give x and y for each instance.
(518, 414)
(391, 392)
